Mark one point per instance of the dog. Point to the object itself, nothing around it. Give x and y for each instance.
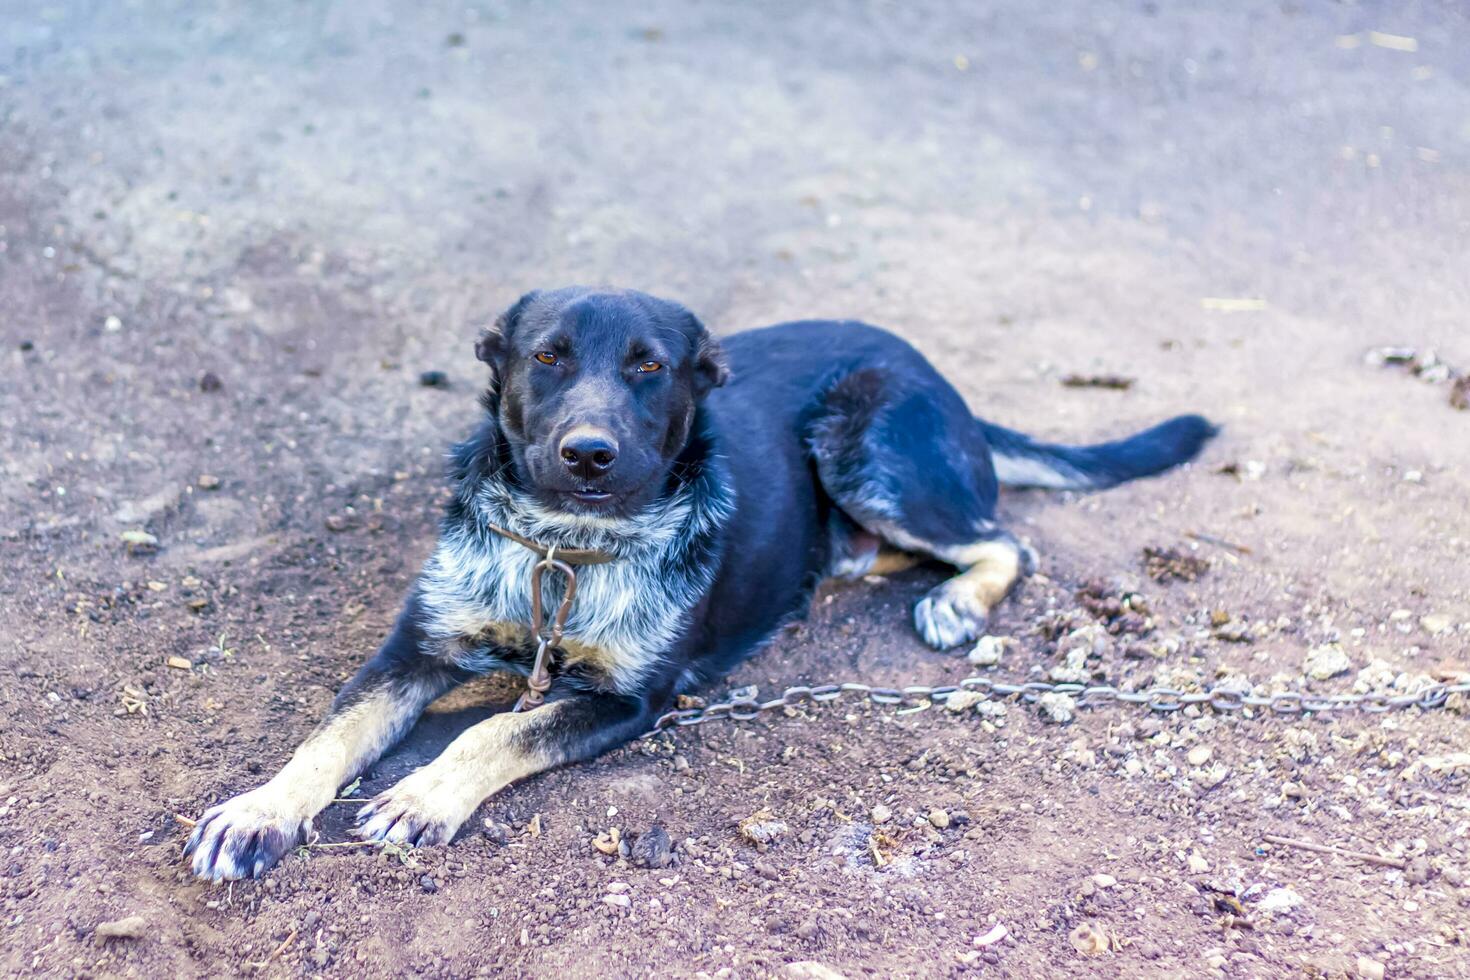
(716, 484)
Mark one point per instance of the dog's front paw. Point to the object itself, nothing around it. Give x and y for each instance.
(245, 836)
(947, 617)
(421, 809)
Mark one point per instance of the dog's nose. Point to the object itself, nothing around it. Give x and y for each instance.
(589, 452)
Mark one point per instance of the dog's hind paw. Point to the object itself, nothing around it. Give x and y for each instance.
(245, 836)
(419, 810)
(946, 618)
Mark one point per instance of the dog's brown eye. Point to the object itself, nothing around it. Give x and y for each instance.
(648, 367)
(546, 357)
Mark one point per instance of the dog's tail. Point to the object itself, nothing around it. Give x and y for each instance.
(1021, 461)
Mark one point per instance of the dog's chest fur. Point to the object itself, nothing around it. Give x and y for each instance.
(476, 589)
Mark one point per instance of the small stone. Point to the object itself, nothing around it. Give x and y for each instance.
(434, 379)
(1090, 939)
(988, 650)
(337, 523)
(617, 901)
(1279, 901)
(428, 884)
(1370, 969)
(1199, 755)
(1326, 661)
(762, 829)
(495, 832)
(131, 927)
(1056, 707)
(652, 849)
(1435, 623)
(1103, 880)
(811, 970)
(139, 542)
(1417, 871)
(1197, 863)
(112, 324)
(208, 481)
(607, 841)
(938, 818)
(963, 701)
(209, 381)
(880, 814)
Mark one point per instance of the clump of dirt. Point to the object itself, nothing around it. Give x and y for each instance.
(1172, 565)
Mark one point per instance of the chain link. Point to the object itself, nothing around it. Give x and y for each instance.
(743, 703)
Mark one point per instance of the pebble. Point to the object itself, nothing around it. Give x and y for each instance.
(434, 379)
(1326, 661)
(209, 381)
(1199, 755)
(1435, 623)
(617, 901)
(1197, 863)
(988, 651)
(208, 481)
(1057, 708)
(652, 849)
(428, 884)
(938, 818)
(880, 814)
(963, 701)
(1103, 880)
(129, 928)
(1370, 969)
(1417, 871)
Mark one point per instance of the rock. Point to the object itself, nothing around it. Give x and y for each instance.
(811, 970)
(1370, 969)
(1102, 880)
(209, 381)
(1326, 661)
(989, 649)
(607, 842)
(652, 849)
(434, 379)
(1057, 708)
(762, 829)
(208, 481)
(131, 927)
(1199, 755)
(1197, 863)
(1417, 871)
(495, 832)
(617, 901)
(1090, 939)
(1280, 901)
(1435, 623)
(880, 814)
(963, 701)
(939, 819)
(337, 523)
(139, 542)
(428, 884)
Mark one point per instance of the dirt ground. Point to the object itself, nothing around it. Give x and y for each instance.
(233, 236)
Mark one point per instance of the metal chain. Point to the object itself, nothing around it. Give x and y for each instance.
(744, 705)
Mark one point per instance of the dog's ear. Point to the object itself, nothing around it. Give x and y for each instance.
(711, 370)
(495, 341)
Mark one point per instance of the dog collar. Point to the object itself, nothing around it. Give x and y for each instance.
(572, 556)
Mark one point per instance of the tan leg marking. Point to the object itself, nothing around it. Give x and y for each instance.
(891, 561)
(429, 805)
(245, 835)
(957, 610)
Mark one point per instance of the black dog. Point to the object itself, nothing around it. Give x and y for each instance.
(724, 484)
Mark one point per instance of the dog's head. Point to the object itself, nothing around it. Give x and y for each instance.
(596, 393)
